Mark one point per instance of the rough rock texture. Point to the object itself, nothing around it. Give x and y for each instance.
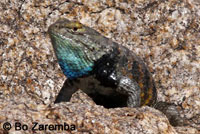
(87, 117)
(166, 34)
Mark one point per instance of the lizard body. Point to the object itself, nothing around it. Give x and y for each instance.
(97, 65)
(109, 73)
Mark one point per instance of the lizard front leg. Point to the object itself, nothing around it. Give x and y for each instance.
(131, 89)
(108, 75)
(66, 92)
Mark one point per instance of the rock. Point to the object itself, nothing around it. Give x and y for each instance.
(164, 33)
(83, 115)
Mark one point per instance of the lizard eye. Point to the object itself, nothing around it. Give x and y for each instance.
(75, 29)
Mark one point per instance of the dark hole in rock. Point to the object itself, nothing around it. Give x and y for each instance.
(112, 101)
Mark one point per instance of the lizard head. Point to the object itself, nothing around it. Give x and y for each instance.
(77, 46)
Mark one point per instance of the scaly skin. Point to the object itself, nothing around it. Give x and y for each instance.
(86, 55)
(108, 72)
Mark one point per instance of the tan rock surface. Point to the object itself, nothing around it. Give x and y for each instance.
(85, 116)
(164, 33)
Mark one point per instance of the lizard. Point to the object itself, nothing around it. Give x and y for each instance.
(108, 72)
